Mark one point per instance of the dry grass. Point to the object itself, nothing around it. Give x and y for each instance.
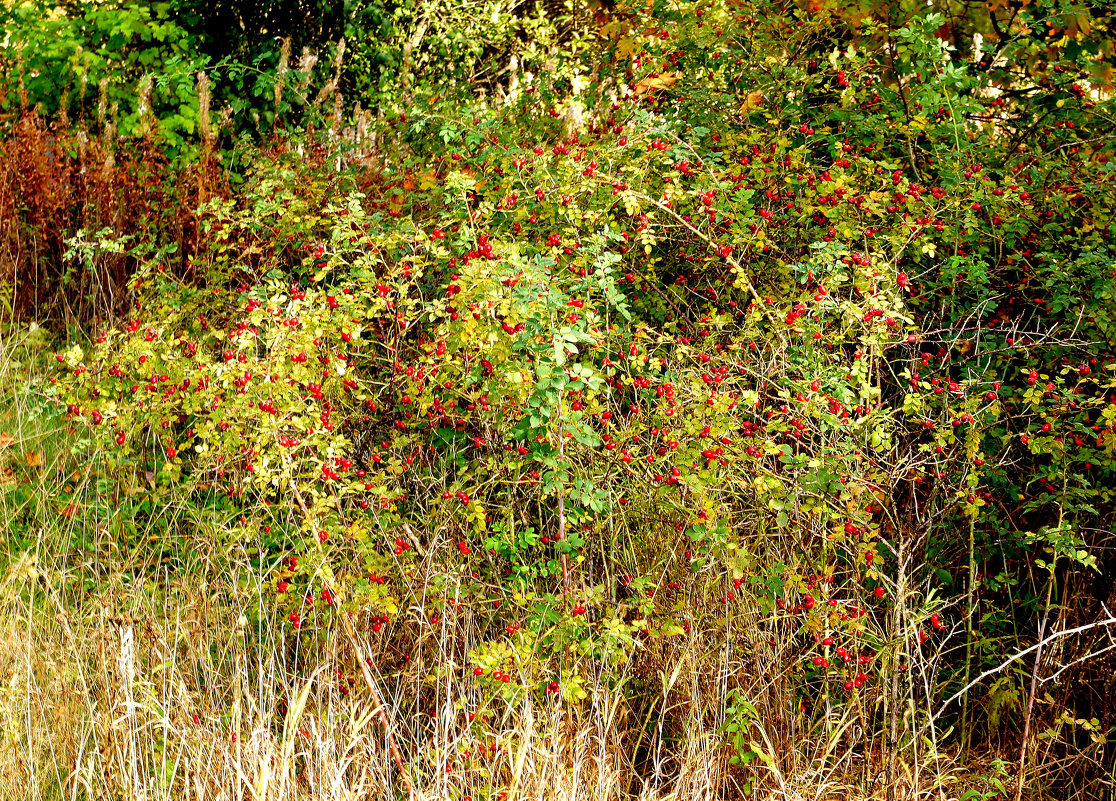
(124, 696)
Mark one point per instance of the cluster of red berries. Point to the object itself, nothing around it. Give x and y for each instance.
(497, 675)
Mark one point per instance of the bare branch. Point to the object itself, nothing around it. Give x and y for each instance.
(1110, 621)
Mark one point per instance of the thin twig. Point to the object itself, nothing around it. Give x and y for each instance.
(1086, 658)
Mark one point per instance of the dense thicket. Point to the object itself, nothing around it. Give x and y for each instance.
(560, 354)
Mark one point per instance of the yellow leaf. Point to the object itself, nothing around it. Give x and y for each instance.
(355, 531)
(752, 101)
(428, 180)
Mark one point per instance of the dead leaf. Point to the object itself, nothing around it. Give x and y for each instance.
(6, 440)
(34, 459)
(69, 510)
(655, 82)
(753, 101)
(8, 477)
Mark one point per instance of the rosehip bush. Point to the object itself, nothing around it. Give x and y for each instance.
(765, 358)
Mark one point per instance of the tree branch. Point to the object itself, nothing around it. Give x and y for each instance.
(1110, 621)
